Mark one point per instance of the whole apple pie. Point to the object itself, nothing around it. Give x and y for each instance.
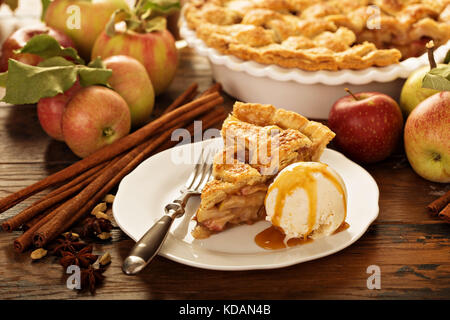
(321, 34)
(259, 141)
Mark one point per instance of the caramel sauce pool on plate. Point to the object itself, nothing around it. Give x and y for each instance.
(272, 238)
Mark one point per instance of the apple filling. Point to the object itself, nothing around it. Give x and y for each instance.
(247, 206)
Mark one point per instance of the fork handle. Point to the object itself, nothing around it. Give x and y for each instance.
(148, 246)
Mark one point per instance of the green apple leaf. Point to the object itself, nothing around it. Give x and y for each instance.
(97, 73)
(3, 77)
(155, 8)
(437, 78)
(133, 24)
(156, 24)
(97, 63)
(45, 4)
(93, 76)
(447, 57)
(117, 16)
(27, 84)
(46, 47)
(55, 62)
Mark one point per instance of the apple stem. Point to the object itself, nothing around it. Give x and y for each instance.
(108, 132)
(351, 93)
(430, 50)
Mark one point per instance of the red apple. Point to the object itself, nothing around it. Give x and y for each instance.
(427, 138)
(50, 111)
(91, 15)
(20, 37)
(130, 79)
(155, 50)
(95, 116)
(368, 126)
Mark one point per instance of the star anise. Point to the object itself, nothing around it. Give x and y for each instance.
(91, 277)
(66, 243)
(93, 226)
(84, 258)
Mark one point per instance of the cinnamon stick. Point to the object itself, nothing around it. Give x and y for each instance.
(191, 114)
(217, 115)
(108, 152)
(47, 202)
(77, 180)
(77, 207)
(93, 193)
(27, 225)
(216, 87)
(111, 176)
(437, 205)
(25, 241)
(183, 98)
(445, 213)
(208, 121)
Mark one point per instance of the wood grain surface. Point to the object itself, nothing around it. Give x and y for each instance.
(411, 248)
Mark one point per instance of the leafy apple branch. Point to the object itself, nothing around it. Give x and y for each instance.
(27, 84)
(438, 78)
(147, 16)
(46, 47)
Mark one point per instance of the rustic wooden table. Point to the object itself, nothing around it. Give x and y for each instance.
(411, 248)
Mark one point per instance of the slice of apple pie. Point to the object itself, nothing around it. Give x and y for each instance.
(259, 141)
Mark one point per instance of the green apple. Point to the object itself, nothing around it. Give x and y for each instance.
(142, 34)
(427, 138)
(130, 79)
(412, 92)
(82, 20)
(155, 50)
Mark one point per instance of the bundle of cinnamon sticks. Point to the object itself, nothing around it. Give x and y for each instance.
(441, 207)
(85, 183)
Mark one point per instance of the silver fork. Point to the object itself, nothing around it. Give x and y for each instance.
(150, 244)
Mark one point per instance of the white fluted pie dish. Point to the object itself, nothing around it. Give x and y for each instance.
(310, 93)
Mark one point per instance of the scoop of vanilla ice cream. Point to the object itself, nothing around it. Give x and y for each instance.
(307, 199)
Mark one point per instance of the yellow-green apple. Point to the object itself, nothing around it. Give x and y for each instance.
(412, 92)
(155, 50)
(427, 138)
(82, 20)
(50, 111)
(95, 116)
(20, 37)
(130, 79)
(368, 126)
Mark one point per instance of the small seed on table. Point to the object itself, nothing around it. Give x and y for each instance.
(101, 215)
(109, 198)
(71, 234)
(38, 254)
(104, 235)
(105, 259)
(100, 207)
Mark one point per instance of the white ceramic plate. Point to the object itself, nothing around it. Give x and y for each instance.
(143, 194)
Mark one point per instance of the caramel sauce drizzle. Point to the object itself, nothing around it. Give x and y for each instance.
(344, 226)
(273, 237)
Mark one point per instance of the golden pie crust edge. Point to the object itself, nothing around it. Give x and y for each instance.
(357, 56)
